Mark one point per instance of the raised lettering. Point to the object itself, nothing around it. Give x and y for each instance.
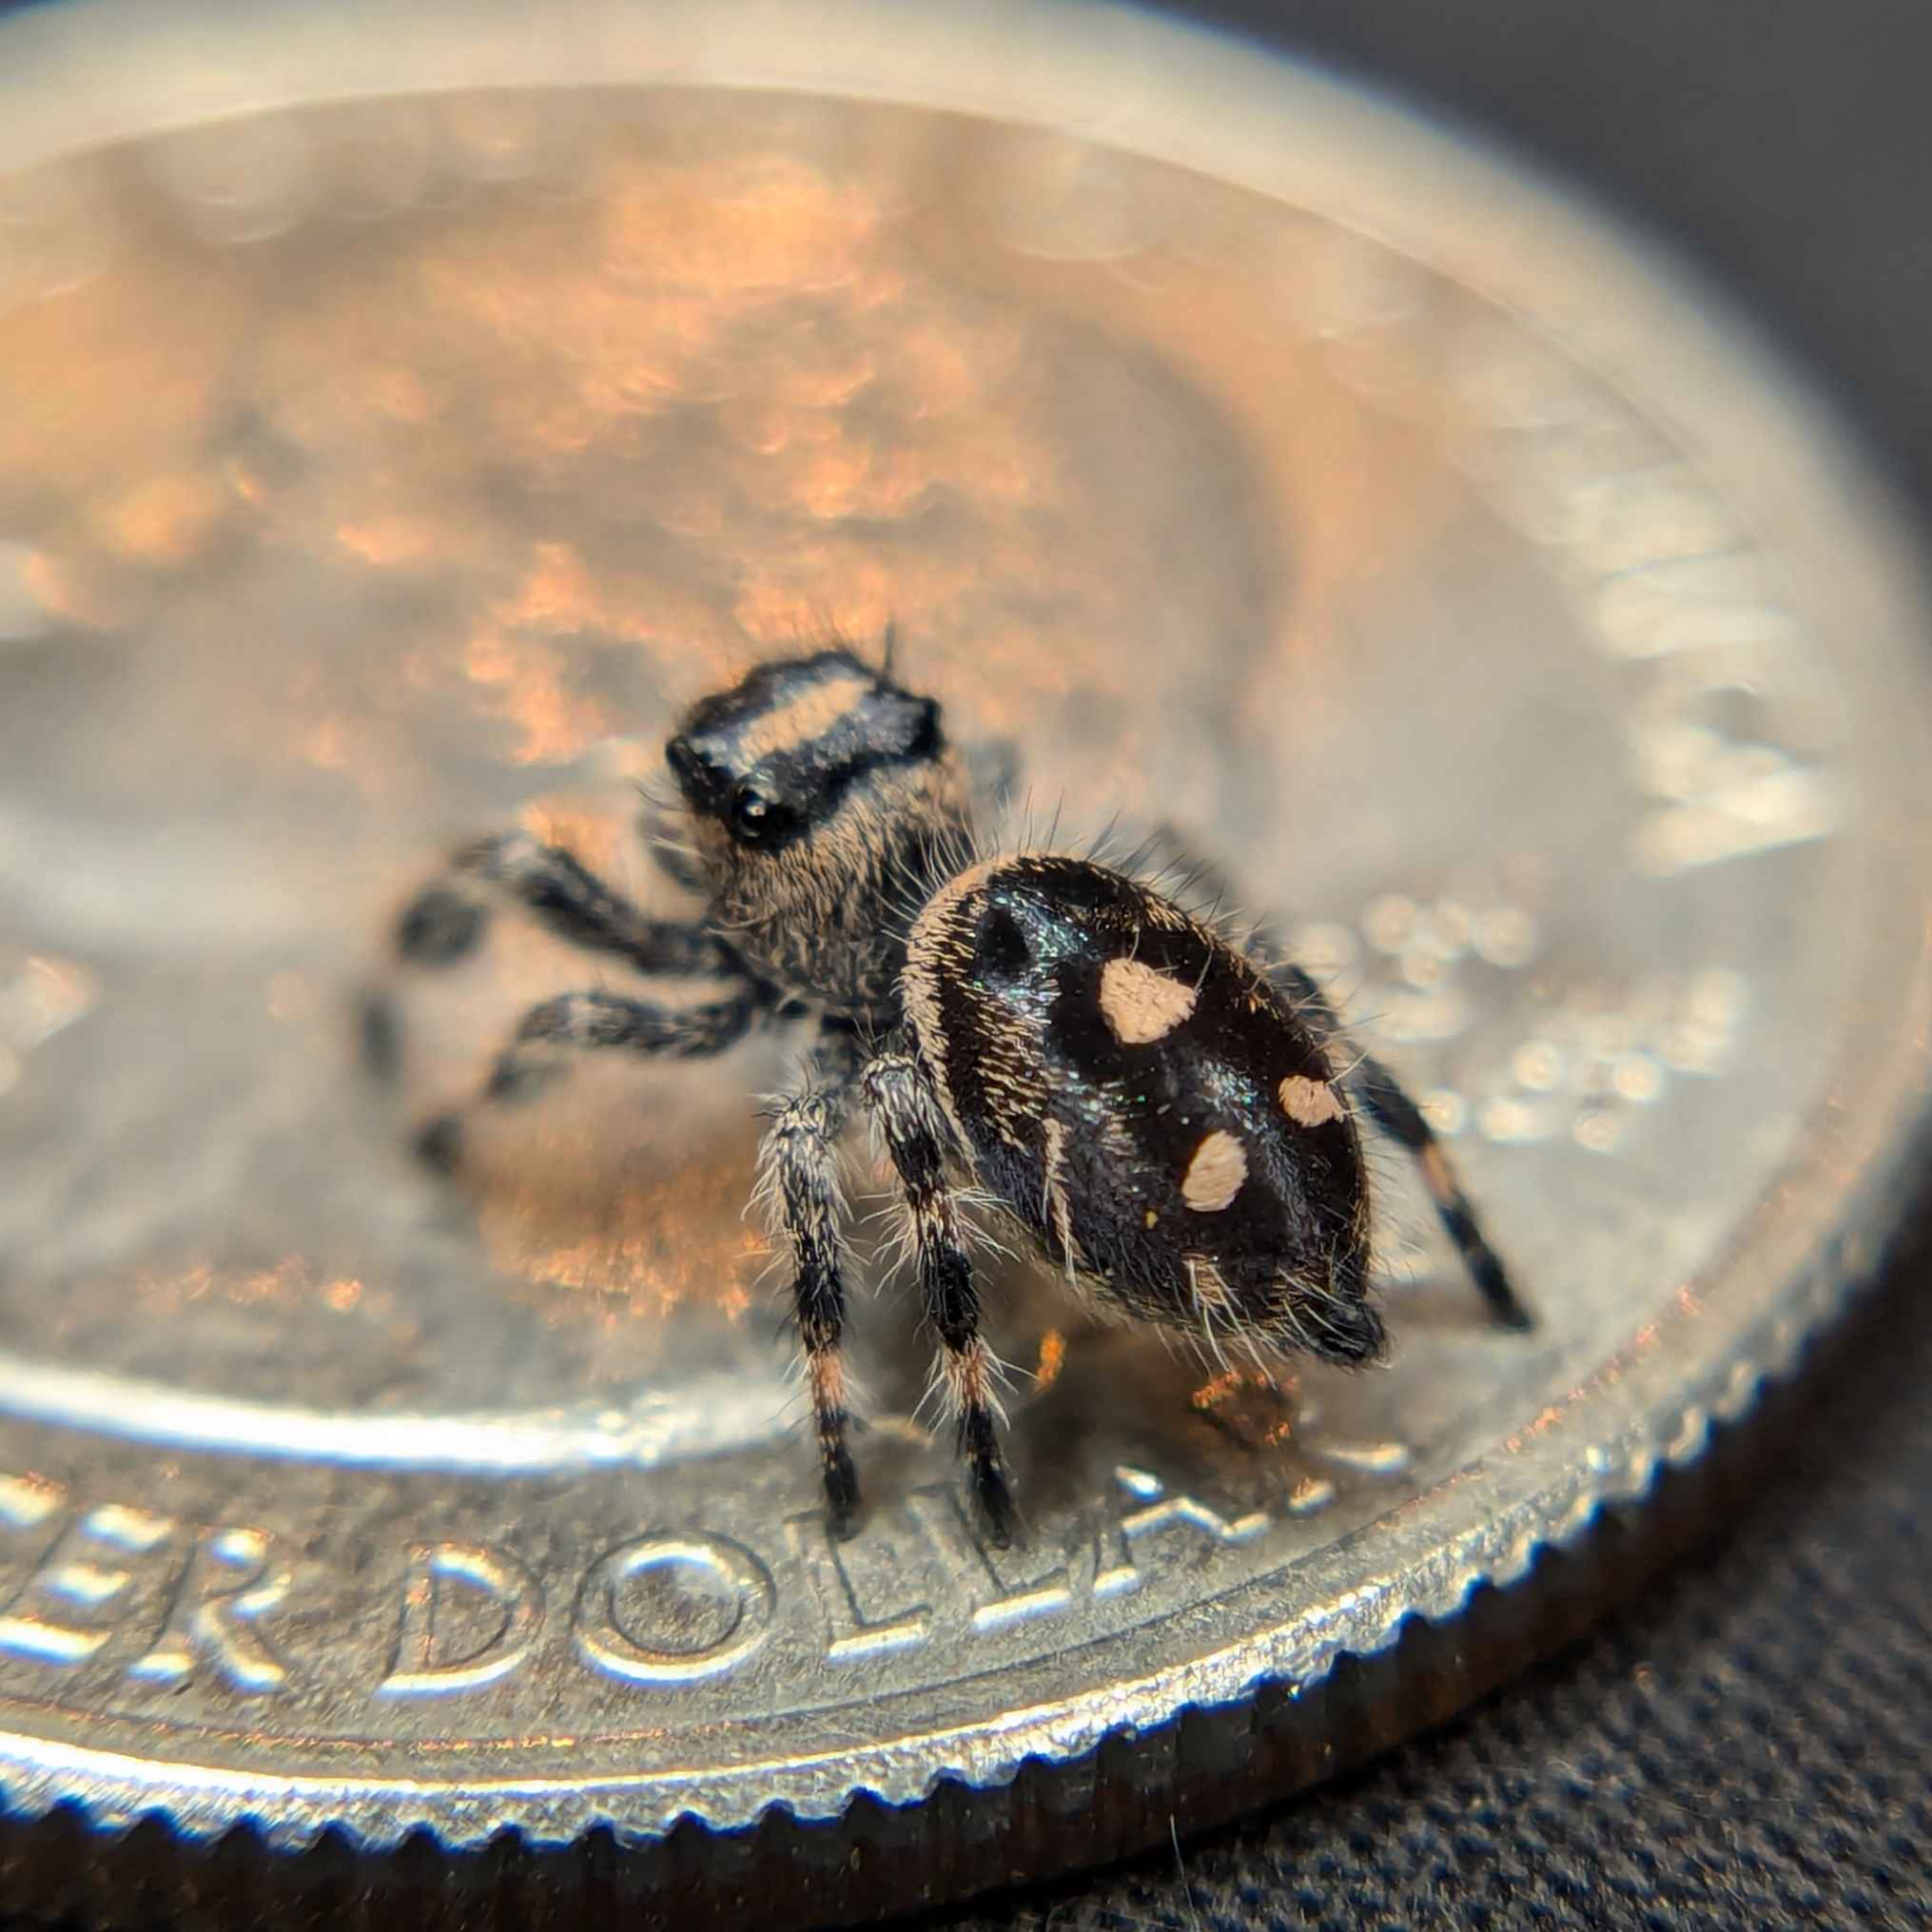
(230, 1584)
(470, 1614)
(27, 1501)
(1171, 1511)
(79, 1594)
(674, 1607)
(1116, 1553)
(851, 1581)
(1000, 1588)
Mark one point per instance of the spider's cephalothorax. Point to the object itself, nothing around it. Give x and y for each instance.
(1157, 1109)
(820, 795)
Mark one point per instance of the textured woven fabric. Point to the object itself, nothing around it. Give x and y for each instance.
(1748, 1744)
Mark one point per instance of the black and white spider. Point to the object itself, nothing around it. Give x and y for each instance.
(1158, 1110)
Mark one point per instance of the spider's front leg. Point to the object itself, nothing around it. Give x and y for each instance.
(446, 922)
(555, 1031)
(799, 1182)
(918, 1136)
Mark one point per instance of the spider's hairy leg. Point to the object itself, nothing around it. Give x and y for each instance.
(798, 1183)
(555, 1031)
(446, 920)
(380, 1033)
(917, 1137)
(1386, 1104)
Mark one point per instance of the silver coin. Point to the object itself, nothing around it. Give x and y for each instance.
(396, 430)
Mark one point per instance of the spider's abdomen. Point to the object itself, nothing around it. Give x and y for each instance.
(1145, 1102)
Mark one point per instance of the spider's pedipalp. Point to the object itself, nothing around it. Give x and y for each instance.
(569, 900)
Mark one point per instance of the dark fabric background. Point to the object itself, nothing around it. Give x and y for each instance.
(1749, 1743)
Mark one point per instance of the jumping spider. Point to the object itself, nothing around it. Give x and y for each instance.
(1159, 1111)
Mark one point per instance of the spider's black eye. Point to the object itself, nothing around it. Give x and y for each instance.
(757, 819)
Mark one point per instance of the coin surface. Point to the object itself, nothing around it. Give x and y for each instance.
(396, 433)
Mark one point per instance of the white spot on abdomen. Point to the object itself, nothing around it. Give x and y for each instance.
(1308, 1103)
(1141, 1002)
(1215, 1173)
